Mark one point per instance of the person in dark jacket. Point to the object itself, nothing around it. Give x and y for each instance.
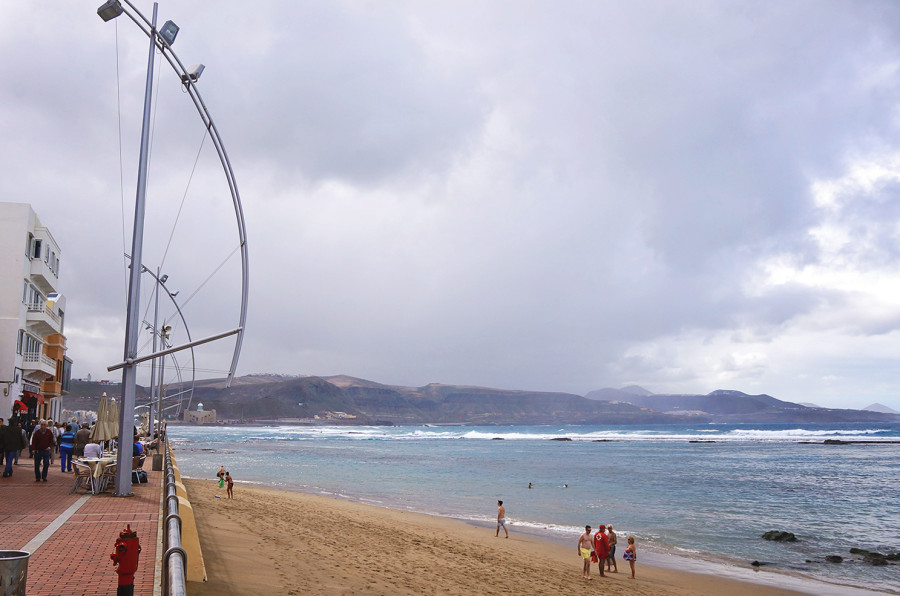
(41, 444)
(10, 443)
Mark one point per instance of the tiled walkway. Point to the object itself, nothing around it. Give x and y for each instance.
(74, 558)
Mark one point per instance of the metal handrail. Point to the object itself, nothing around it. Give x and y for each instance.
(174, 557)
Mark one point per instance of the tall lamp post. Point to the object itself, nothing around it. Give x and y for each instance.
(163, 40)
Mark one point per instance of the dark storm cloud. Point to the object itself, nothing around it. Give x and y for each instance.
(536, 195)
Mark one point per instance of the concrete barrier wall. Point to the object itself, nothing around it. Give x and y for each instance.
(190, 539)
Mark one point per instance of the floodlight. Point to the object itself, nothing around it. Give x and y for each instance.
(193, 73)
(168, 32)
(110, 10)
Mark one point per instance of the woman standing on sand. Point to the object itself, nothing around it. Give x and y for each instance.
(230, 485)
(631, 554)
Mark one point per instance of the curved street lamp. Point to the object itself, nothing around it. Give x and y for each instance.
(163, 39)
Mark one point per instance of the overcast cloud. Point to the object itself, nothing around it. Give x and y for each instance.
(524, 195)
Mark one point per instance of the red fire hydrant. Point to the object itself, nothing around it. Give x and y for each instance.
(125, 559)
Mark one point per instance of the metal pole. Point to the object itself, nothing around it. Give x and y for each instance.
(132, 324)
(154, 388)
(160, 388)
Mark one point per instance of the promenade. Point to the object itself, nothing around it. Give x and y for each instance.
(70, 536)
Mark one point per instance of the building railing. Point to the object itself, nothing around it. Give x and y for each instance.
(39, 357)
(42, 308)
(174, 557)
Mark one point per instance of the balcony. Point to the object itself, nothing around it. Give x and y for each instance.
(42, 320)
(43, 276)
(38, 364)
(51, 388)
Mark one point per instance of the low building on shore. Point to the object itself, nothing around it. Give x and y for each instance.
(200, 416)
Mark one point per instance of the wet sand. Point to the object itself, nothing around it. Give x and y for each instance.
(268, 541)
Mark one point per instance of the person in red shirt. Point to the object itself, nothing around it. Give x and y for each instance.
(41, 443)
(601, 546)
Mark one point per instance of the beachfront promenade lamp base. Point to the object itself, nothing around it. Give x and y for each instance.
(110, 10)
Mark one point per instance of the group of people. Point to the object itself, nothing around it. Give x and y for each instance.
(70, 440)
(43, 441)
(601, 548)
(225, 478)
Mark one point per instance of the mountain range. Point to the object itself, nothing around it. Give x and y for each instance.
(350, 400)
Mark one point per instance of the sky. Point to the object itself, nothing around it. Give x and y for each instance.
(522, 195)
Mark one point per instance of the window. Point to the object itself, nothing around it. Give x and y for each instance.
(20, 341)
(35, 248)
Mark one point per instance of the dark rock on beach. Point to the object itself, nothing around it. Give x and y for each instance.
(834, 559)
(779, 536)
(759, 563)
(875, 558)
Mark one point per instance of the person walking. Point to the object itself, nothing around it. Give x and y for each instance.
(41, 446)
(82, 438)
(501, 519)
(24, 441)
(66, 449)
(10, 444)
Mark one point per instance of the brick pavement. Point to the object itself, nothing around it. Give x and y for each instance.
(75, 558)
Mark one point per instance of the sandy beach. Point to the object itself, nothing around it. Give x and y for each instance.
(269, 541)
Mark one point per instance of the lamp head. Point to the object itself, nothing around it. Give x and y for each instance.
(193, 74)
(169, 32)
(110, 10)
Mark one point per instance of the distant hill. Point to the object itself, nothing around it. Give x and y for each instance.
(725, 405)
(351, 400)
(881, 408)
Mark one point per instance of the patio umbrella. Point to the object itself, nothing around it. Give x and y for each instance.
(105, 429)
(113, 420)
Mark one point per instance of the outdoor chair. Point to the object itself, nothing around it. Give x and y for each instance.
(84, 477)
(109, 473)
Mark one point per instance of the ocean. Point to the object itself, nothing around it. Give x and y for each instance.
(697, 497)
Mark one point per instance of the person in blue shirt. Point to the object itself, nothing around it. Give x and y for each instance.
(66, 448)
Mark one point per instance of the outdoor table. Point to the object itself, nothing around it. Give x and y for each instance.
(97, 464)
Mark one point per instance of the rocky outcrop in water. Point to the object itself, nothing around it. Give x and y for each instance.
(779, 536)
(875, 558)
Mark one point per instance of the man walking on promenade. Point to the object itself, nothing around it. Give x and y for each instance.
(41, 444)
(501, 519)
(601, 546)
(584, 551)
(10, 443)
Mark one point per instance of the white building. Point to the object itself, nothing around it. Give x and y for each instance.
(200, 416)
(34, 368)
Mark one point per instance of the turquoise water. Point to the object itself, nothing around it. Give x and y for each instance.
(705, 500)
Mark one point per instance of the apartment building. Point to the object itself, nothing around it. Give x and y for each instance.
(34, 369)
